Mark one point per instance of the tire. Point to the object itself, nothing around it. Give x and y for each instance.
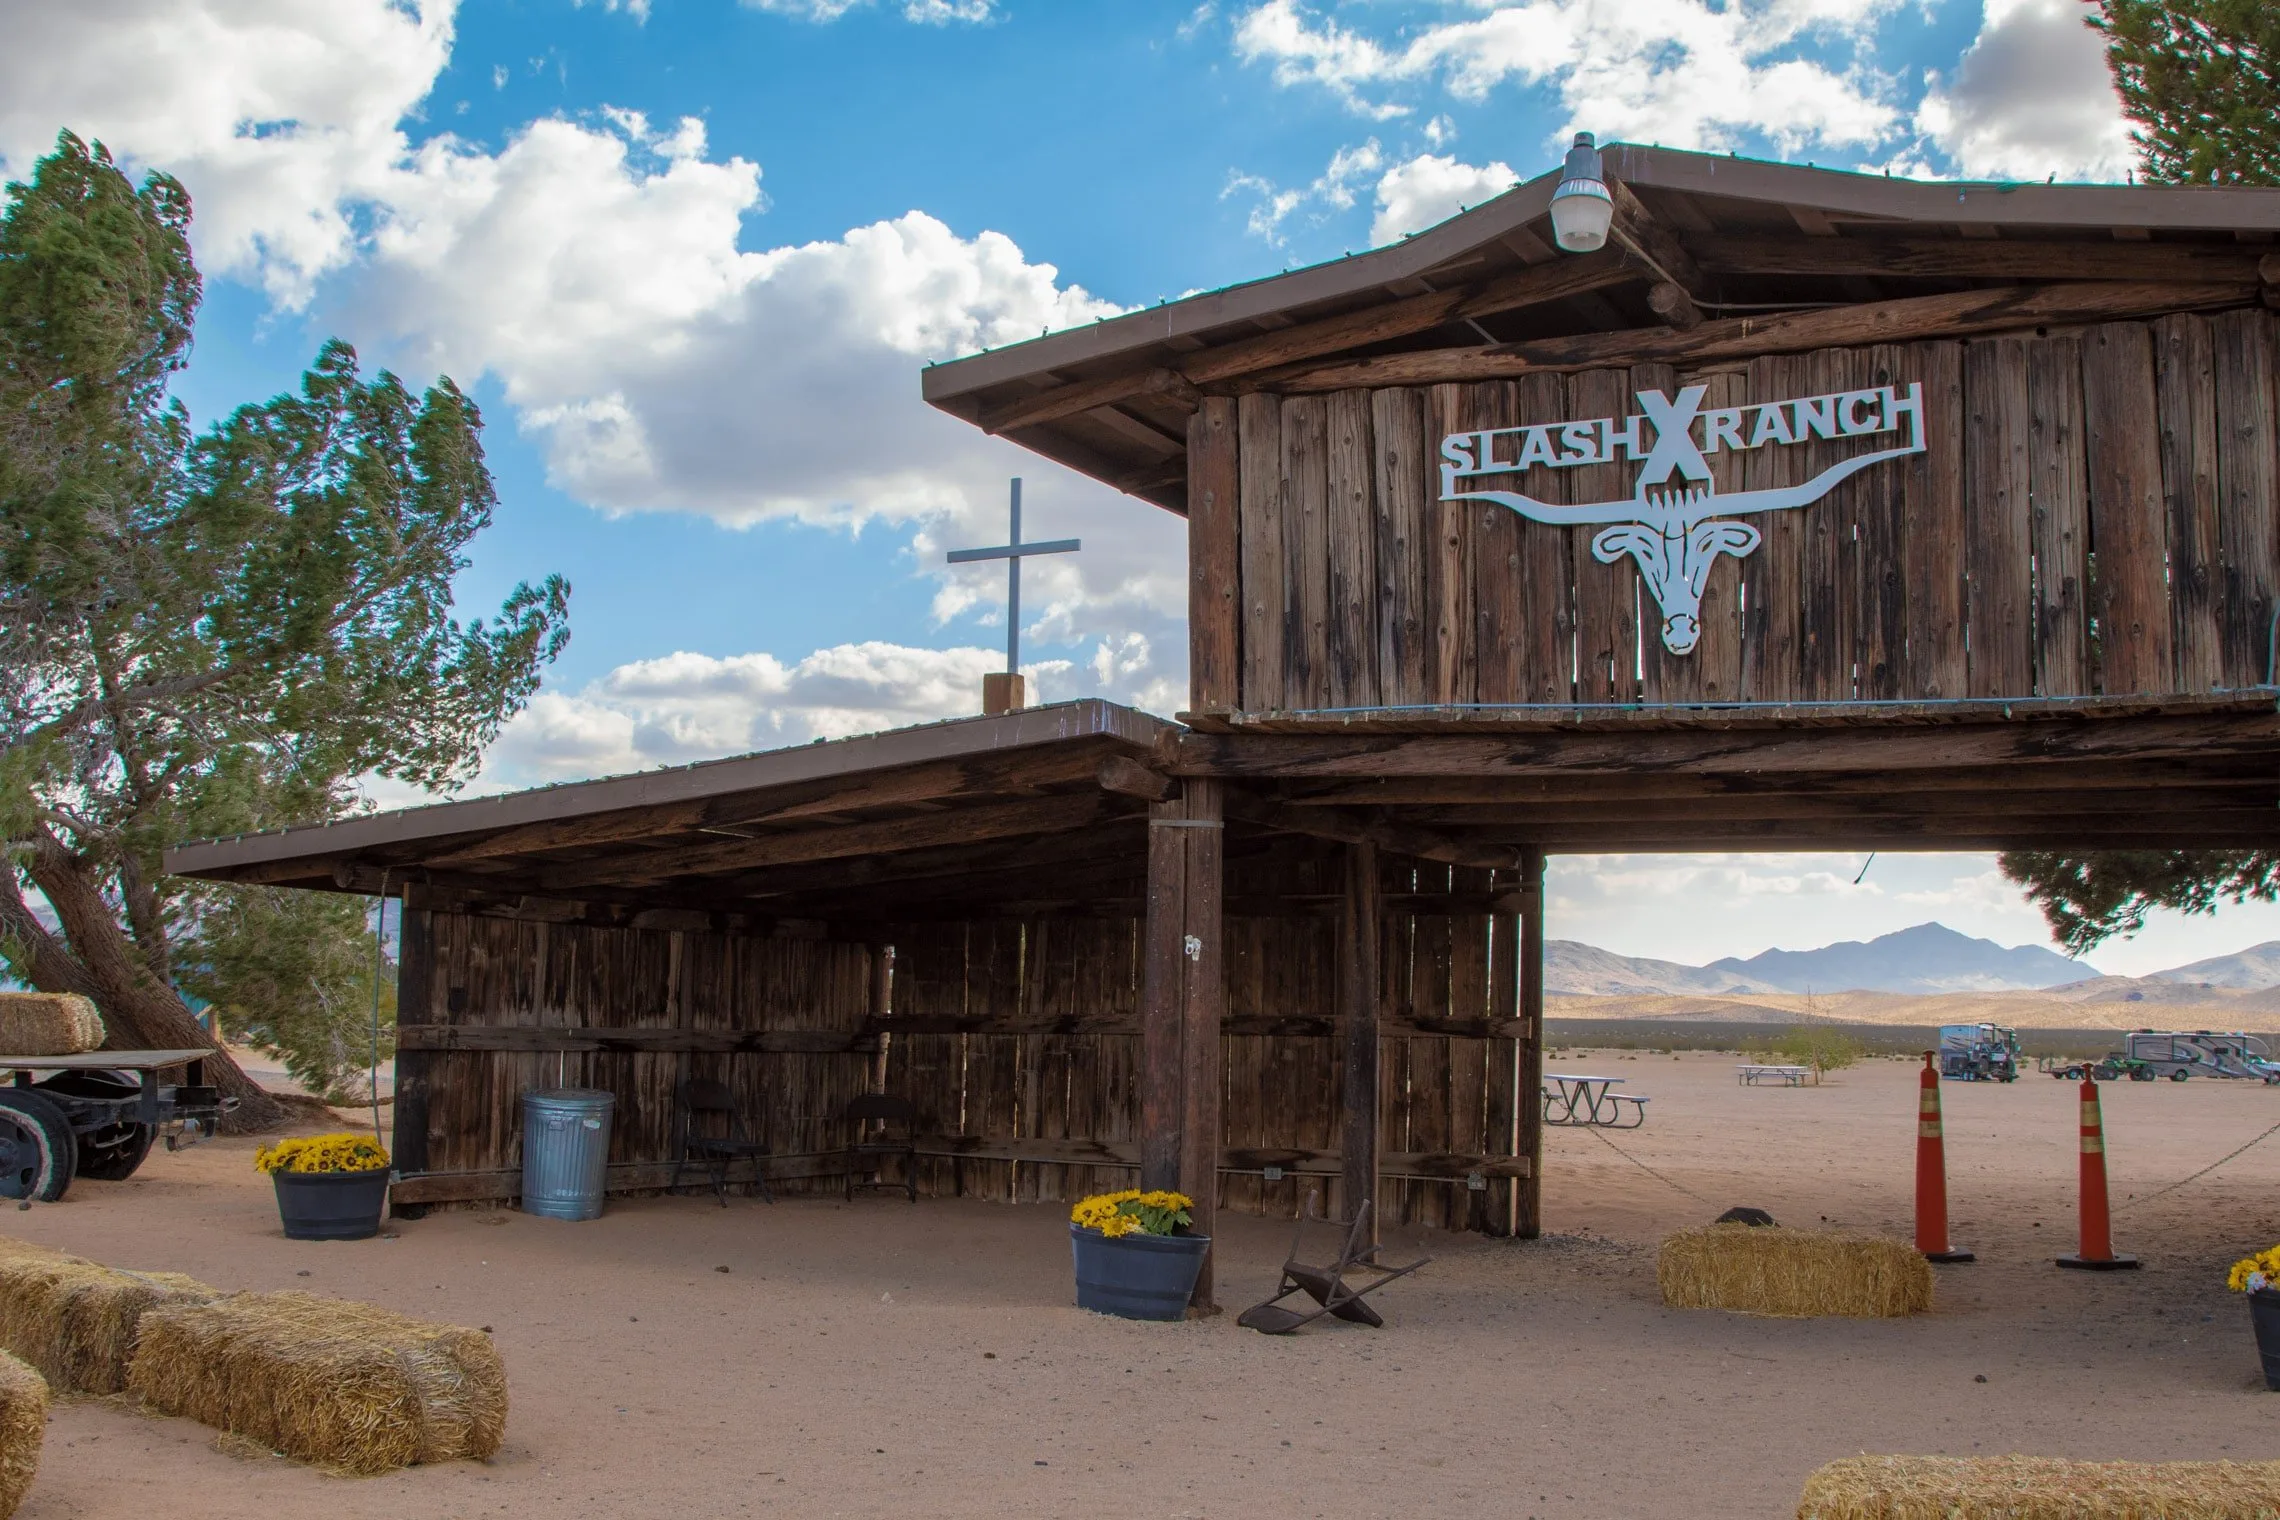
(2141, 1075)
(2179, 1075)
(116, 1163)
(38, 1155)
(114, 1152)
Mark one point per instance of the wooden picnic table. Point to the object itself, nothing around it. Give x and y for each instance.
(1576, 1098)
(1787, 1076)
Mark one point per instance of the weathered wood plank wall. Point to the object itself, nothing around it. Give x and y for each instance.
(488, 973)
(500, 1005)
(1440, 1093)
(2147, 452)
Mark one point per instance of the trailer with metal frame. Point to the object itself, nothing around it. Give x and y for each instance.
(97, 1115)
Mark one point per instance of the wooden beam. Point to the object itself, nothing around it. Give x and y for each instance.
(621, 1040)
(2029, 802)
(1679, 284)
(1127, 777)
(412, 1192)
(1906, 320)
(1162, 1077)
(1084, 396)
(1359, 993)
(1214, 560)
(1203, 1008)
(1396, 838)
(1720, 752)
(1560, 790)
(1529, 1222)
(2010, 259)
(1281, 1025)
(956, 826)
(938, 781)
(411, 1195)
(415, 1070)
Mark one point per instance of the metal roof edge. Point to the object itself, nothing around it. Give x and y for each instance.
(950, 739)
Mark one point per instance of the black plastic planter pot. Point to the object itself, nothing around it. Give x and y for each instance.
(2264, 1314)
(1136, 1276)
(331, 1205)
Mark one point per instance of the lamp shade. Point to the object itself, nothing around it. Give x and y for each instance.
(1581, 206)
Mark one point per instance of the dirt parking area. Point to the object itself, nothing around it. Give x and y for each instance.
(890, 1359)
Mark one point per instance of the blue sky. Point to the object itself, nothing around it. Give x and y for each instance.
(691, 255)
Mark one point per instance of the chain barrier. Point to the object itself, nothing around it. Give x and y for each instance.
(2131, 1203)
(1593, 1131)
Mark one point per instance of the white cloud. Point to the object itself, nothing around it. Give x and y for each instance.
(1689, 73)
(683, 707)
(637, 9)
(932, 12)
(1333, 189)
(2031, 97)
(1432, 188)
(277, 115)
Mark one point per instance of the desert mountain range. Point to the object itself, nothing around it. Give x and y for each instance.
(1929, 974)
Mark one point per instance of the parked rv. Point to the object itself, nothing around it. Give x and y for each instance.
(2179, 1055)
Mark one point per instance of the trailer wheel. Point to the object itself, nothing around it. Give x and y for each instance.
(2140, 1074)
(119, 1161)
(37, 1152)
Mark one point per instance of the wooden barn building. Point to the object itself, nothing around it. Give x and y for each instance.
(1813, 510)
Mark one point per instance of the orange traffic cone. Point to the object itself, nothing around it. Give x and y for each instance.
(1931, 1171)
(2097, 1254)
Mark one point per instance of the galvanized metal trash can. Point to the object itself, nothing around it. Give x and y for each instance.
(566, 1151)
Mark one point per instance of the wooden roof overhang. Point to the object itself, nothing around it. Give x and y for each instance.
(911, 822)
(1716, 257)
(1045, 811)
(1475, 786)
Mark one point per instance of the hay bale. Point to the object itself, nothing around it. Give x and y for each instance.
(2039, 1488)
(1796, 1273)
(23, 1425)
(76, 1321)
(344, 1386)
(48, 1024)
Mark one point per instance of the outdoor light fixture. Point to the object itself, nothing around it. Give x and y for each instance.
(1581, 206)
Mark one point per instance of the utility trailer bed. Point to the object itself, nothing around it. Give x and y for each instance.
(97, 1114)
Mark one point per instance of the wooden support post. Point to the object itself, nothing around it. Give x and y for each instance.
(1530, 1188)
(1203, 1009)
(882, 1006)
(1162, 1088)
(1359, 931)
(1183, 999)
(415, 974)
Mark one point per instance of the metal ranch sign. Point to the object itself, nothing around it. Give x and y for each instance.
(1675, 529)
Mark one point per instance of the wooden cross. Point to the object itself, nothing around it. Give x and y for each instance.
(1013, 553)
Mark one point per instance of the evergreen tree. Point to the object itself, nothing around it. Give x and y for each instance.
(2201, 78)
(214, 634)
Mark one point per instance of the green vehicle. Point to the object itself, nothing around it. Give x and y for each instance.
(1979, 1052)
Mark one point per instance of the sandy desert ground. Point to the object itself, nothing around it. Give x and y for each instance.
(889, 1359)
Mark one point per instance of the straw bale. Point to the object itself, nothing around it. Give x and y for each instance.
(48, 1024)
(23, 1425)
(345, 1386)
(76, 1321)
(2039, 1488)
(1794, 1273)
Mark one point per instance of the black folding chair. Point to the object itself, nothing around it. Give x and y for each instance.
(1327, 1285)
(884, 1126)
(713, 1134)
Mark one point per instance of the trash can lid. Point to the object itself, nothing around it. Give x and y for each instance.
(571, 1097)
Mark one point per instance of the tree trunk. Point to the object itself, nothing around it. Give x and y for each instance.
(139, 1011)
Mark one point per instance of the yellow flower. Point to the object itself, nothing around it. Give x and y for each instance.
(322, 1153)
(2264, 1265)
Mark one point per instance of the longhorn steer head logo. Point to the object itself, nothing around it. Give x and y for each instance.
(1674, 534)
